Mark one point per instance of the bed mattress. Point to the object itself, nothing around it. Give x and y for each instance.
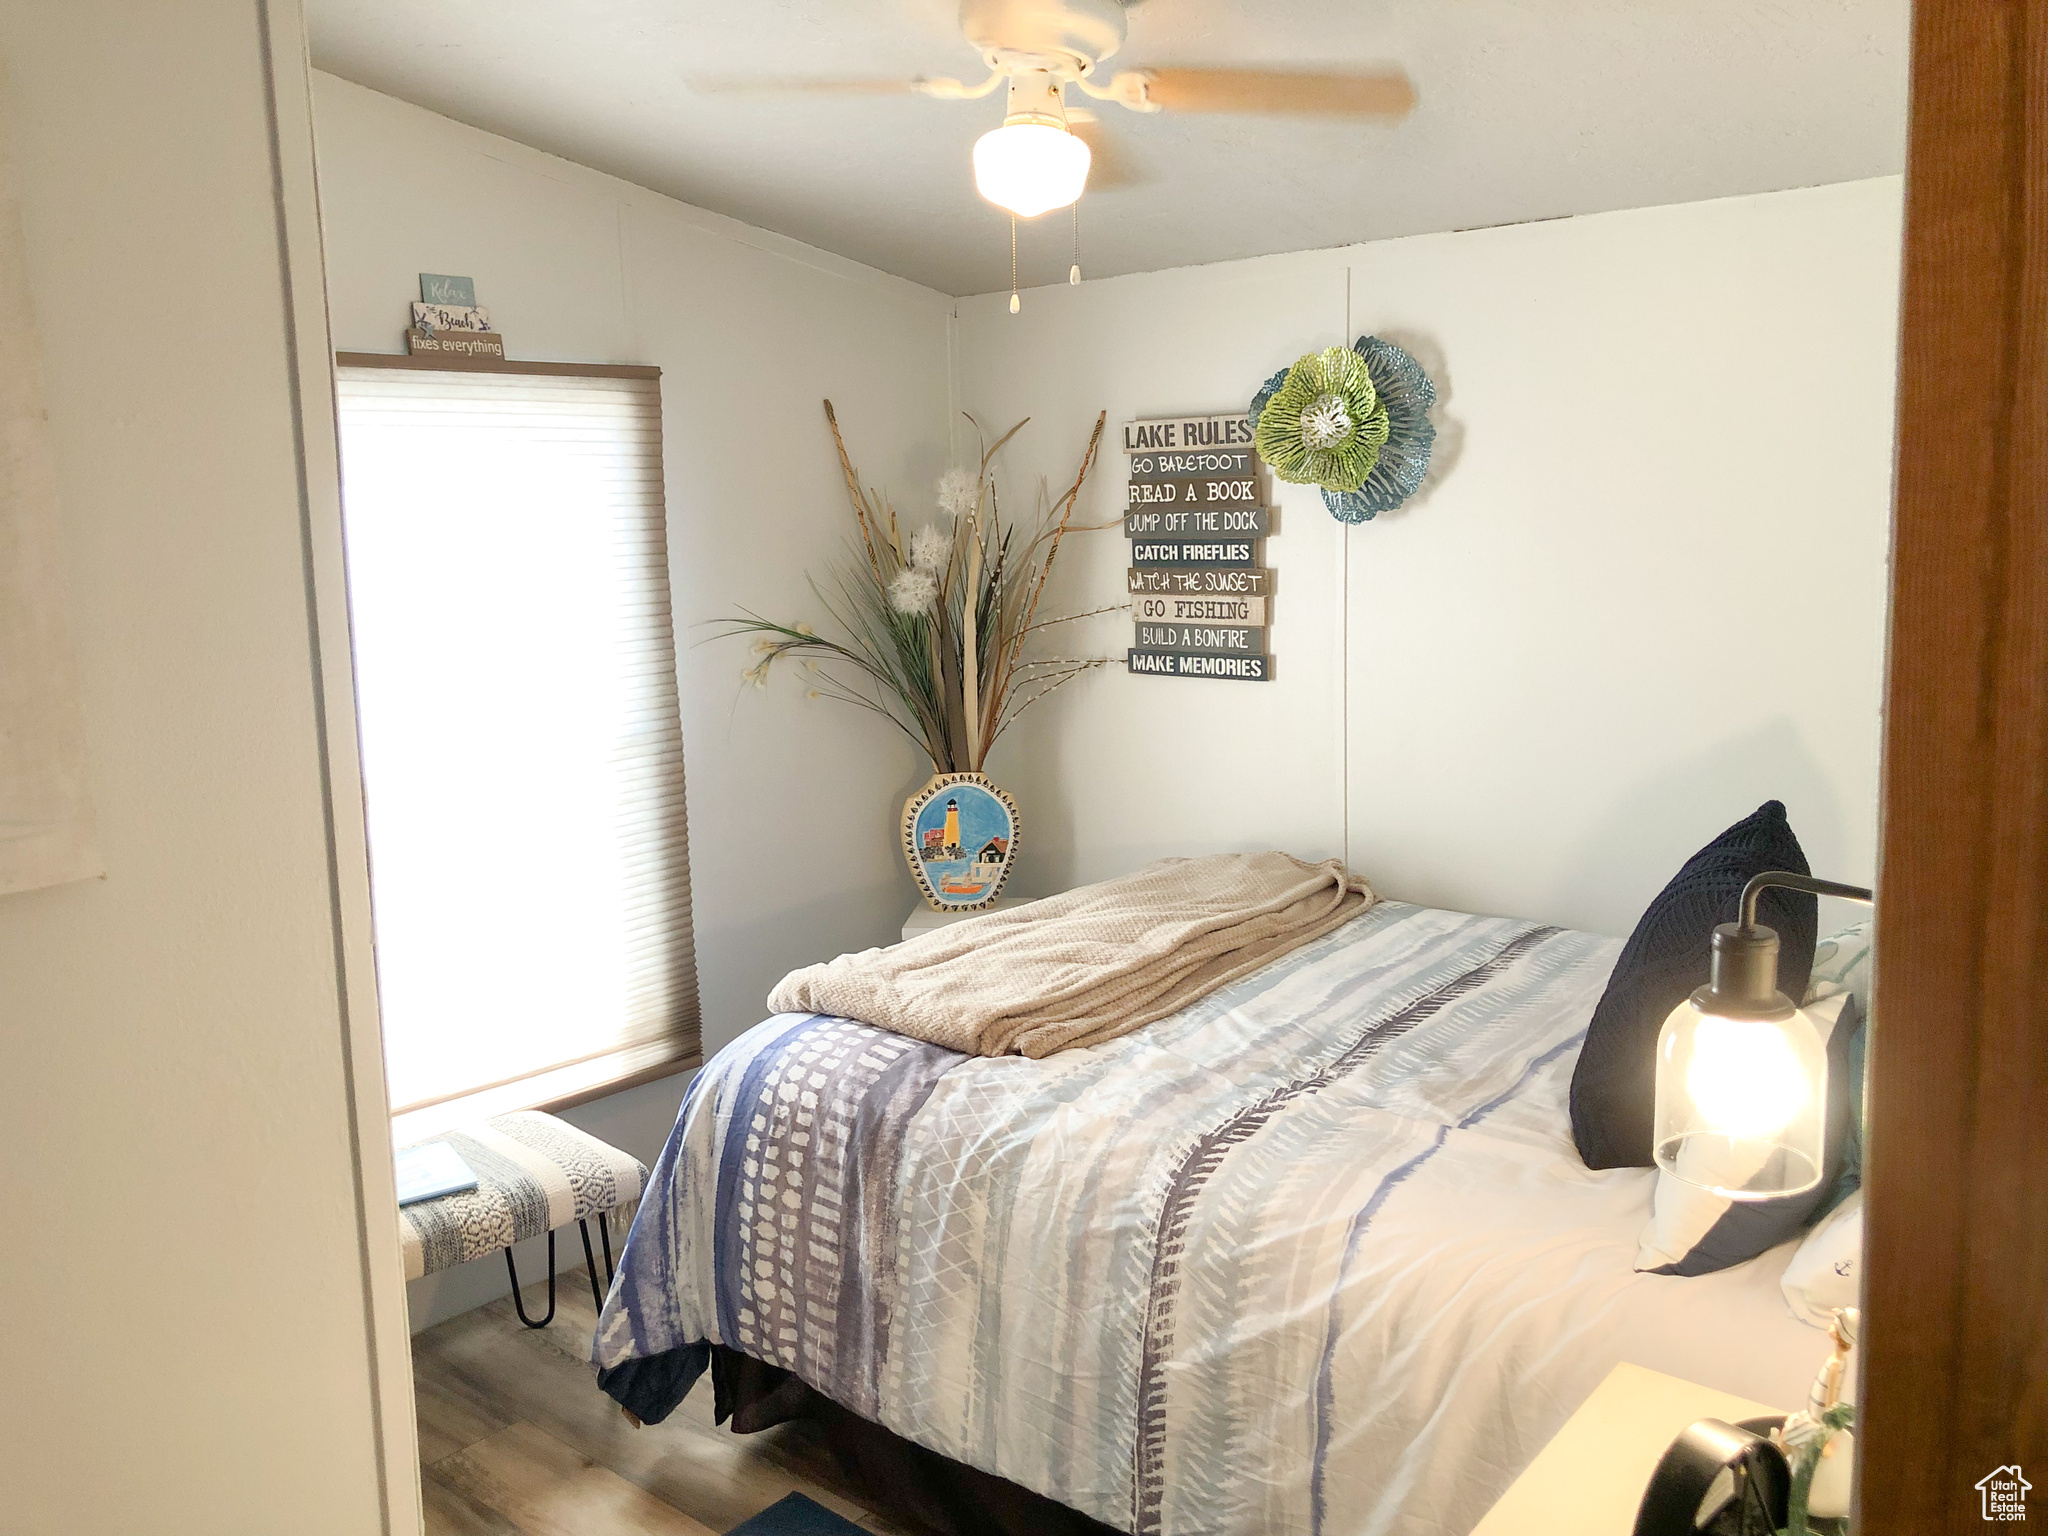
(1315, 1255)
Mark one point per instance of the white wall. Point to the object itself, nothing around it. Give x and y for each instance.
(751, 331)
(189, 1333)
(1643, 593)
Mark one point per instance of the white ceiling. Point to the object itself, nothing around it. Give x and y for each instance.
(1529, 109)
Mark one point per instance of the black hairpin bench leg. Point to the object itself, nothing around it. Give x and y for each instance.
(512, 1270)
(590, 1265)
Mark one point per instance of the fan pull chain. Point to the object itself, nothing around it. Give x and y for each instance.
(1074, 272)
(1015, 303)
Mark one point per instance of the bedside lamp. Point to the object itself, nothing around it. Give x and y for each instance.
(1742, 1073)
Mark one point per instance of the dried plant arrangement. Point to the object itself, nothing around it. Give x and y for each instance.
(935, 628)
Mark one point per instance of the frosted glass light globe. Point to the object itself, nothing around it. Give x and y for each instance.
(1030, 168)
(1741, 1100)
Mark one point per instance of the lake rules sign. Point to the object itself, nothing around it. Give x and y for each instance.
(1195, 515)
(1182, 433)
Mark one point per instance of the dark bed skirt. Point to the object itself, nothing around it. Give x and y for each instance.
(898, 1477)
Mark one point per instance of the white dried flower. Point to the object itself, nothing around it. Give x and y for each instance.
(763, 646)
(929, 548)
(914, 590)
(805, 629)
(1326, 422)
(958, 492)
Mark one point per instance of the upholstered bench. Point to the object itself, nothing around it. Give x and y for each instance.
(534, 1173)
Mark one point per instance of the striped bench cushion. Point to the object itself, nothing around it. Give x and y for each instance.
(534, 1173)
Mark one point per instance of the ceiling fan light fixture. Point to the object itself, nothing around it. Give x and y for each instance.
(1030, 168)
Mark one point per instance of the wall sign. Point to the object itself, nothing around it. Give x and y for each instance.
(1195, 516)
(1195, 522)
(1181, 432)
(1217, 639)
(1209, 491)
(1167, 466)
(1164, 609)
(448, 321)
(456, 343)
(1232, 582)
(438, 288)
(1243, 669)
(1191, 551)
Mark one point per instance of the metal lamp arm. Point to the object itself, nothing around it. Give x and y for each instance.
(1784, 879)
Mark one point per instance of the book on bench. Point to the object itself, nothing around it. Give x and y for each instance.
(430, 1170)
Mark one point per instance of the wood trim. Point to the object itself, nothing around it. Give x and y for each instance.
(1956, 1338)
(494, 365)
(653, 1074)
(330, 673)
(683, 1045)
(421, 1121)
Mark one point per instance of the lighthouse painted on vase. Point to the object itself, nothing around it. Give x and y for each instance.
(960, 840)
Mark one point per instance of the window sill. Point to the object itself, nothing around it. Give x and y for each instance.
(565, 1086)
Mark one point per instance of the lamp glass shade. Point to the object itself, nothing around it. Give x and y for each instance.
(1741, 1100)
(1030, 168)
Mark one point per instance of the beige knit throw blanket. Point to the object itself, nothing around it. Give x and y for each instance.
(1087, 966)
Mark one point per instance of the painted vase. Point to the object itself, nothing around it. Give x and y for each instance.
(960, 840)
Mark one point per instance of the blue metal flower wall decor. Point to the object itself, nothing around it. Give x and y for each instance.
(1408, 394)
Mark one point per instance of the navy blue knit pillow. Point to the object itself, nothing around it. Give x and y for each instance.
(1614, 1086)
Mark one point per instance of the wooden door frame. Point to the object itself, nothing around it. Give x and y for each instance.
(1956, 1285)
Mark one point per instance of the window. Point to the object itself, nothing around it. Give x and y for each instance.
(522, 750)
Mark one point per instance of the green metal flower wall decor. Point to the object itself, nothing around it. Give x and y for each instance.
(1326, 424)
(1405, 397)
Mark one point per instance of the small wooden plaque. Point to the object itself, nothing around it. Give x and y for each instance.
(1179, 580)
(1185, 466)
(1189, 432)
(1217, 639)
(455, 343)
(1205, 491)
(1171, 608)
(1242, 669)
(1206, 552)
(1197, 522)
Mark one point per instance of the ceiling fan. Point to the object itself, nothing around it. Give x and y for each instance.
(1041, 157)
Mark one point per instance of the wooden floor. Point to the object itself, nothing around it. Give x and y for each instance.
(517, 1440)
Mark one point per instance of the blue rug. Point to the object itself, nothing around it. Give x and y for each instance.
(797, 1516)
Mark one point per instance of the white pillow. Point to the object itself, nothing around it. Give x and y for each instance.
(1841, 963)
(1827, 1271)
(1694, 1231)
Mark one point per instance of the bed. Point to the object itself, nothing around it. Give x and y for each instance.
(1314, 1255)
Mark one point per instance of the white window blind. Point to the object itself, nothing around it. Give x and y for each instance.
(522, 750)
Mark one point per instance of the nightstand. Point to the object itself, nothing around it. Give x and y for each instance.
(1589, 1480)
(923, 919)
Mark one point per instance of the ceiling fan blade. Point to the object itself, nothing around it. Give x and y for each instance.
(1281, 93)
(804, 86)
(1108, 171)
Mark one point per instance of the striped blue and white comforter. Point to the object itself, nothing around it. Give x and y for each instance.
(1314, 1255)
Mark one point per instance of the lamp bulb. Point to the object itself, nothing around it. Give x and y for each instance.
(1745, 1077)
